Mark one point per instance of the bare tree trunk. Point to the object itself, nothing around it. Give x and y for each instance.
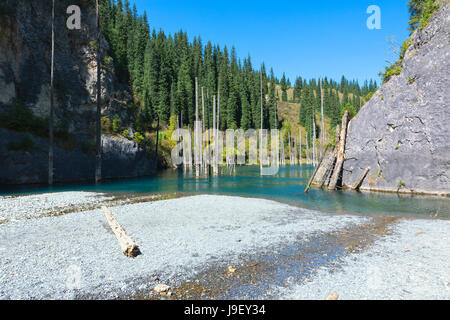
(157, 143)
(340, 156)
(219, 152)
(98, 140)
(196, 130)
(323, 120)
(360, 181)
(215, 169)
(209, 130)
(300, 157)
(307, 149)
(203, 126)
(260, 134)
(127, 245)
(50, 124)
(313, 175)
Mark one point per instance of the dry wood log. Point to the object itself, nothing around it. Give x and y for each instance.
(129, 248)
(340, 156)
(314, 173)
(358, 183)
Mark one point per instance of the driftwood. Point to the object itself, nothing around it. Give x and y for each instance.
(340, 155)
(314, 173)
(129, 248)
(358, 183)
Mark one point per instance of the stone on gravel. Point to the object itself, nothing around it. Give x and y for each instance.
(160, 288)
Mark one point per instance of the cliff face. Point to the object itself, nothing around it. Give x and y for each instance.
(25, 51)
(403, 132)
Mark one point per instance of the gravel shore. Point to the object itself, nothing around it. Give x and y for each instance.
(76, 255)
(411, 264)
(14, 208)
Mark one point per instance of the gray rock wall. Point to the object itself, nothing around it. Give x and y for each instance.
(403, 132)
(121, 159)
(25, 51)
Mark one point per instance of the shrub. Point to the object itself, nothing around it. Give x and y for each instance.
(390, 71)
(126, 133)
(404, 48)
(138, 138)
(116, 124)
(368, 97)
(106, 124)
(429, 9)
(351, 111)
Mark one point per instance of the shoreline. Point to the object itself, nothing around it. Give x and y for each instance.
(190, 242)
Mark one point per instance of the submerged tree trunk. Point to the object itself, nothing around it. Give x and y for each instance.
(340, 155)
(360, 181)
(300, 136)
(50, 124)
(98, 139)
(260, 140)
(196, 131)
(157, 143)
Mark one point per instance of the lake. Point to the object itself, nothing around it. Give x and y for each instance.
(287, 186)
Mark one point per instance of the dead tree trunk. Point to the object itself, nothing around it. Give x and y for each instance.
(129, 248)
(313, 175)
(359, 182)
(260, 135)
(196, 132)
(328, 166)
(157, 143)
(300, 156)
(50, 122)
(98, 137)
(340, 156)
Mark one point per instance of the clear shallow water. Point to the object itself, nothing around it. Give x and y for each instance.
(287, 186)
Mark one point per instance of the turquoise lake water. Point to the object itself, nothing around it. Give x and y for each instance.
(287, 186)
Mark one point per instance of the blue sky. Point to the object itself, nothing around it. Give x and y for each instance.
(307, 38)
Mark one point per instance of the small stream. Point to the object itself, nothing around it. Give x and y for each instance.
(287, 187)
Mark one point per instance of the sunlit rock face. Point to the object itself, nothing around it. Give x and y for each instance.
(25, 60)
(403, 132)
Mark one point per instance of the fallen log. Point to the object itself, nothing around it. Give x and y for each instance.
(328, 163)
(359, 182)
(340, 156)
(129, 248)
(315, 172)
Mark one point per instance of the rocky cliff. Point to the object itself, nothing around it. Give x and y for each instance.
(25, 50)
(403, 132)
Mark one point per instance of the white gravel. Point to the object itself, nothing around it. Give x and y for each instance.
(58, 257)
(14, 208)
(413, 263)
